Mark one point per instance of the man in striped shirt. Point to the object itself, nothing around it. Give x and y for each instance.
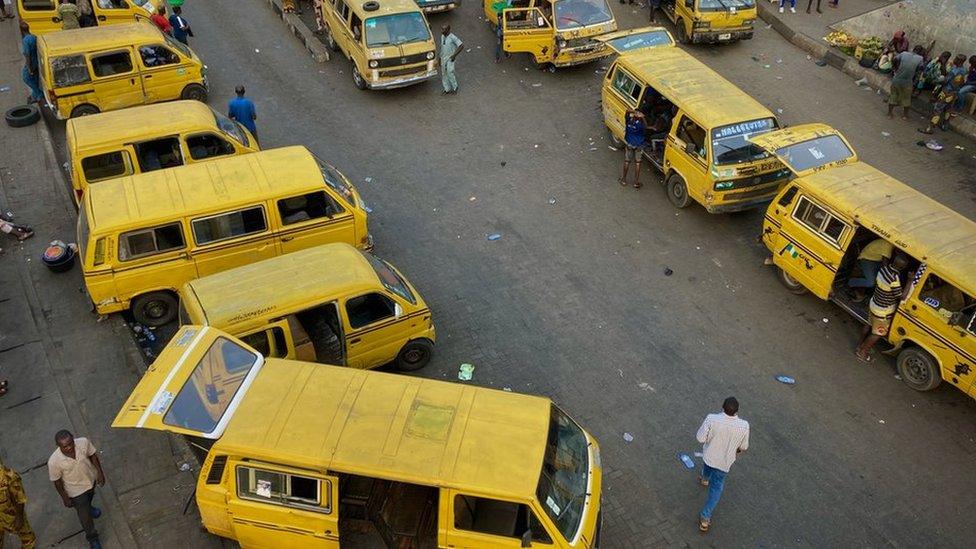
(888, 291)
(723, 437)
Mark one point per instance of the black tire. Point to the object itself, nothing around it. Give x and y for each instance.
(357, 78)
(84, 110)
(329, 40)
(195, 92)
(792, 285)
(22, 116)
(414, 355)
(682, 33)
(154, 309)
(918, 369)
(678, 191)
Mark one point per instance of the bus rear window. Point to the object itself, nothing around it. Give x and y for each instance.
(815, 153)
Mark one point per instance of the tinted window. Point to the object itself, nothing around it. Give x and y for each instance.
(497, 518)
(70, 70)
(104, 166)
(37, 5)
(690, 132)
(157, 56)
(110, 64)
(208, 145)
(625, 84)
(159, 153)
(369, 308)
(261, 343)
(815, 153)
(229, 225)
(337, 182)
(307, 206)
(145, 242)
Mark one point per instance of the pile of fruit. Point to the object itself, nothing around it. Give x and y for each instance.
(840, 39)
(871, 47)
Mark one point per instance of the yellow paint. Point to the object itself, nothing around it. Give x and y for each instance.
(535, 27)
(96, 140)
(261, 301)
(711, 102)
(122, 220)
(710, 21)
(860, 200)
(324, 423)
(385, 64)
(127, 80)
(42, 15)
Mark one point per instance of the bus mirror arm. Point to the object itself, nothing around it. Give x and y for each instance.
(527, 538)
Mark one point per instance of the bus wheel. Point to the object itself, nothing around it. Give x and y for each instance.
(678, 191)
(918, 369)
(329, 40)
(83, 110)
(357, 78)
(792, 284)
(154, 309)
(682, 33)
(414, 355)
(195, 92)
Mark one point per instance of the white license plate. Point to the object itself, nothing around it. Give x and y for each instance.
(726, 36)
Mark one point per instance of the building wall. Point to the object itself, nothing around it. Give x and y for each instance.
(951, 23)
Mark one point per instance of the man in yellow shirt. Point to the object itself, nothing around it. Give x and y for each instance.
(876, 253)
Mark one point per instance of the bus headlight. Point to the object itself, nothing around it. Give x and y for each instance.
(373, 64)
(430, 55)
(724, 185)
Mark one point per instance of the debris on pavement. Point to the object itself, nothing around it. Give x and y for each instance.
(668, 271)
(820, 63)
(628, 437)
(184, 467)
(612, 148)
(786, 380)
(493, 237)
(472, 199)
(4, 88)
(368, 180)
(826, 320)
(552, 201)
(646, 386)
(686, 459)
(885, 134)
(934, 145)
(466, 372)
(699, 454)
(960, 148)
(861, 81)
(881, 421)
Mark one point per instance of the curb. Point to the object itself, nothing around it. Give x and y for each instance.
(849, 66)
(318, 50)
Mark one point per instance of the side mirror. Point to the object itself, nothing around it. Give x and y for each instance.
(527, 538)
(397, 310)
(958, 320)
(690, 148)
(690, 4)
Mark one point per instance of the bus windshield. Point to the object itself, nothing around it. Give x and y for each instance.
(573, 14)
(730, 143)
(565, 473)
(396, 29)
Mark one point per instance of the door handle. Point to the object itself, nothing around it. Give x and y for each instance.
(354, 341)
(287, 238)
(101, 17)
(147, 76)
(132, 81)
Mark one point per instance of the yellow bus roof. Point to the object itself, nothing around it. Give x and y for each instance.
(706, 96)
(924, 228)
(392, 426)
(387, 7)
(92, 39)
(164, 195)
(138, 123)
(231, 300)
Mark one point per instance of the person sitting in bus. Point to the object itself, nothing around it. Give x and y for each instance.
(942, 296)
(869, 261)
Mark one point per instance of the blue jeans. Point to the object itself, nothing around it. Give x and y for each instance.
(961, 96)
(33, 83)
(783, 3)
(869, 272)
(716, 482)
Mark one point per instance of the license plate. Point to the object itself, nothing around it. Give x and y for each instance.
(726, 36)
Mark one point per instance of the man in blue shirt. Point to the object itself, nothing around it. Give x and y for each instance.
(181, 29)
(634, 143)
(28, 47)
(241, 109)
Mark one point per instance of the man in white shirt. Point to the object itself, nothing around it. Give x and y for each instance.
(723, 436)
(75, 470)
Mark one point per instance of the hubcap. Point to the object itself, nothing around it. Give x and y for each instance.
(917, 370)
(413, 356)
(156, 309)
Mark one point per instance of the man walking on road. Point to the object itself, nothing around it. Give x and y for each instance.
(451, 47)
(724, 436)
(75, 470)
(181, 29)
(13, 517)
(241, 109)
(30, 75)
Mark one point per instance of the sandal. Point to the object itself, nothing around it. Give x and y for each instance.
(638, 185)
(864, 359)
(3, 387)
(703, 524)
(703, 481)
(622, 181)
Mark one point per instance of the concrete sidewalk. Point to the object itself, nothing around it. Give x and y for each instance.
(807, 31)
(69, 371)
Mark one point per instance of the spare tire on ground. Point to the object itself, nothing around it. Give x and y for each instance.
(22, 115)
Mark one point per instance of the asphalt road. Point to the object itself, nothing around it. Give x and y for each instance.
(573, 302)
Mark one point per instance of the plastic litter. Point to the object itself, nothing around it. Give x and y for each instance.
(826, 320)
(861, 82)
(699, 454)
(552, 201)
(184, 467)
(960, 148)
(668, 271)
(898, 377)
(367, 180)
(4, 88)
(472, 199)
(934, 145)
(779, 111)
(885, 134)
(466, 372)
(786, 380)
(257, 50)
(537, 85)
(367, 209)
(628, 437)
(494, 236)
(686, 459)
(881, 421)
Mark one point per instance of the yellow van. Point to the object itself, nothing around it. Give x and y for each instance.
(316, 456)
(144, 236)
(42, 15)
(820, 223)
(557, 33)
(388, 41)
(437, 6)
(702, 150)
(711, 21)
(86, 71)
(147, 138)
(356, 311)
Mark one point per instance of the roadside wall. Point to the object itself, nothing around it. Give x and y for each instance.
(951, 23)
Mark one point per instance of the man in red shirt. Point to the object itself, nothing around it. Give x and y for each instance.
(160, 20)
